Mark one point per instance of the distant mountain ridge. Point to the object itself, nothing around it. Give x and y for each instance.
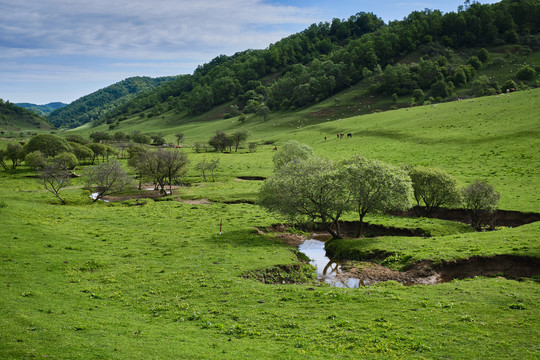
(42, 110)
(96, 105)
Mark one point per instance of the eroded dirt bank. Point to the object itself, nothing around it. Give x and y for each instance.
(498, 218)
(427, 272)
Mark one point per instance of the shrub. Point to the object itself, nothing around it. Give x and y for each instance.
(526, 73)
(35, 160)
(48, 144)
(480, 199)
(433, 187)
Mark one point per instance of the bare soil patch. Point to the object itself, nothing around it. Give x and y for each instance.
(498, 218)
(427, 272)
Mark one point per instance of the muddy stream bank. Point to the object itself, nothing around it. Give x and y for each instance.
(355, 274)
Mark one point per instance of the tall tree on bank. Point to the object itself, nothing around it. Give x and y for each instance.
(307, 190)
(374, 186)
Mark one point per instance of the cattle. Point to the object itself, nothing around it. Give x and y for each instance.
(275, 148)
(340, 135)
(349, 135)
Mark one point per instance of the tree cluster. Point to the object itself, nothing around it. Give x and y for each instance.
(330, 56)
(222, 141)
(162, 167)
(309, 189)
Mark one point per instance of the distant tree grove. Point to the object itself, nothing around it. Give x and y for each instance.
(330, 56)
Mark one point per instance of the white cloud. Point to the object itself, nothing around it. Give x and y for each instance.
(142, 29)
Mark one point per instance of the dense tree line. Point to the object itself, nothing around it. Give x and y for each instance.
(328, 57)
(308, 189)
(93, 107)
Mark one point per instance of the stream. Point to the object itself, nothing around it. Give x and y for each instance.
(327, 270)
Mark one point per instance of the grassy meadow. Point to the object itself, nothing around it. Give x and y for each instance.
(115, 281)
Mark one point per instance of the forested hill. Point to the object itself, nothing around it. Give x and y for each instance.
(16, 118)
(327, 58)
(94, 106)
(42, 110)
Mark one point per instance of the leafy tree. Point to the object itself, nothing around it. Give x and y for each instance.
(2, 157)
(526, 73)
(484, 86)
(36, 160)
(140, 138)
(309, 189)
(440, 89)
(107, 178)
(15, 153)
(418, 95)
(179, 138)
(483, 55)
(252, 147)
(174, 166)
(204, 166)
(292, 151)
(221, 141)
(433, 187)
(120, 136)
(76, 138)
(158, 140)
(82, 152)
(100, 136)
(475, 62)
(54, 177)
(242, 118)
(136, 154)
(251, 107)
(163, 166)
(480, 199)
(67, 160)
(49, 144)
(263, 111)
(97, 150)
(238, 137)
(509, 84)
(374, 186)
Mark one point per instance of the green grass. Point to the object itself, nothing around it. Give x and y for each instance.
(112, 281)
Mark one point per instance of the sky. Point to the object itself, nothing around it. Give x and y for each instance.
(61, 50)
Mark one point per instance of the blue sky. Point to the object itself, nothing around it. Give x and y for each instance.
(60, 50)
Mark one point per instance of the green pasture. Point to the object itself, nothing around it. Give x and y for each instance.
(494, 138)
(115, 281)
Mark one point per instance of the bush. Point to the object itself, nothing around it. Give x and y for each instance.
(66, 160)
(252, 147)
(526, 73)
(48, 144)
(480, 199)
(475, 62)
(35, 160)
(433, 187)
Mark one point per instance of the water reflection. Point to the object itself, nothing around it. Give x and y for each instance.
(328, 270)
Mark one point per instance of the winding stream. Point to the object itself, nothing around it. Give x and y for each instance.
(328, 270)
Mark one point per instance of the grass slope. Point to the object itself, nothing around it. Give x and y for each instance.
(112, 281)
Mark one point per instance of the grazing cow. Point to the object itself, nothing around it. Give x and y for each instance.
(341, 135)
(275, 148)
(349, 135)
(325, 138)
(338, 136)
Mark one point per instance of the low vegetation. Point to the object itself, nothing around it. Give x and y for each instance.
(160, 269)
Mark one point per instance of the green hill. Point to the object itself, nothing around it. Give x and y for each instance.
(92, 107)
(42, 110)
(16, 118)
(428, 56)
